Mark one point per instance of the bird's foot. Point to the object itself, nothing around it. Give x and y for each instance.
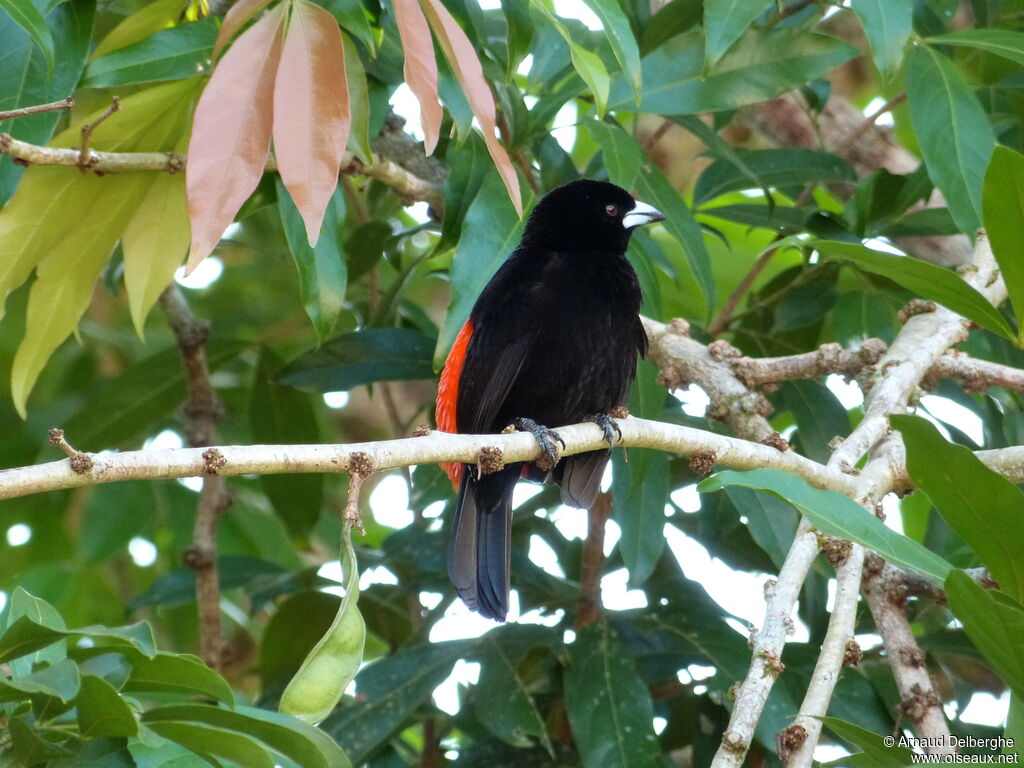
(608, 425)
(545, 439)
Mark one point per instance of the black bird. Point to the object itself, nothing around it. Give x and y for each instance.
(552, 339)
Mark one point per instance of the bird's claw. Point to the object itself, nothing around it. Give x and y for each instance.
(608, 425)
(545, 439)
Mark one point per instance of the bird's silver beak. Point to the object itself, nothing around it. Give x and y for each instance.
(642, 214)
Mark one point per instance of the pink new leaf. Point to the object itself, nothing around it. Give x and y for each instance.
(420, 67)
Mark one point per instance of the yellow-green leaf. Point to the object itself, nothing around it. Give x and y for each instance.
(155, 243)
(148, 20)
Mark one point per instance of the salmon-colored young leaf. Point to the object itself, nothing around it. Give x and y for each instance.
(311, 112)
(420, 67)
(231, 133)
(462, 56)
(234, 20)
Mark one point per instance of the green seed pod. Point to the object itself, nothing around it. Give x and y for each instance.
(332, 664)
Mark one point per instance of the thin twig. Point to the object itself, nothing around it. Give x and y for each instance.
(204, 410)
(846, 144)
(592, 562)
(54, 106)
(88, 128)
(720, 323)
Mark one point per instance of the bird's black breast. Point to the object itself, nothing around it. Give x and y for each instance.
(556, 338)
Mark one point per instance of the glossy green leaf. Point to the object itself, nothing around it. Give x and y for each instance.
(146, 21)
(887, 23)
(927, 280)
(279, 414)
(24, 80)
(363, 357)
(171, 54)
(1003, 203)
(640, 485)
(672, 19)
(837, 515)
(771, 521)
(761, 66)
(819, 417)
(28, 634)
(145, 394)
(1007, 43)
(468, 166)
(620, 37)
(286, 735)
(519, 37)
(608, 703)
(177, 673)
(878, 754)
(725, 21)
(323, 273)
(28, 747)
(207, 742)
(502, 701)
(102, 711)
(771, 168)
(983, 507)
(358, 102)
(393, 687)
(491, 231)
(588, 65)
(60, 680)
(953, 132)
(26, 16)
(31, 626)
(352, 16)
(994, 623)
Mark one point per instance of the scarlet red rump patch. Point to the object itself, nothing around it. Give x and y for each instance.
(448, 393)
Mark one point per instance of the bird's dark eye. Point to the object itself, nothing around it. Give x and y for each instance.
(611, 210)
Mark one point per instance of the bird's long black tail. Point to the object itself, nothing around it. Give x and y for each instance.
(479, 547)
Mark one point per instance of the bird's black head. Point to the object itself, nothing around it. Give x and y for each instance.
(586, 215)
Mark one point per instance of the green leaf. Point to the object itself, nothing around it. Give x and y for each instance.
(672, 19)
(772, 522)
(725, 21)
(887, 23)
(358, 102)
(929, 281)
(622, 156)
(24, 79)
(952, 130)
(28, 747)
(983, 507)
(31, 626)
(995, 626)
(640, 485)
(491, 231)
(770, 168)
(29, 634)
(468, 166)
(125, 407)
(1006, 43)
(390, 689)
(818, 414)
(208, 742)
(60, 680)
(837, 515)
(1003, 204)
(170, 54)
(279, 414)
(620, 37)
(761, 66)
(608, 703)
(177, 673)
(323, 273)
(586, 63)
(102, 712)
(29, 19)
(501, 700)
(292, 738)
(352, 16)
(363, 357)
(519, 37)
(148, 20)
(879, 755)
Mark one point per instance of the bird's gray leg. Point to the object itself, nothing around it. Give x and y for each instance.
(545, 439)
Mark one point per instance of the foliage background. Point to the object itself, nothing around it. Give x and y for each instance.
(372, 311)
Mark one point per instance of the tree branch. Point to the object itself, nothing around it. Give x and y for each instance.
(436, 447)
